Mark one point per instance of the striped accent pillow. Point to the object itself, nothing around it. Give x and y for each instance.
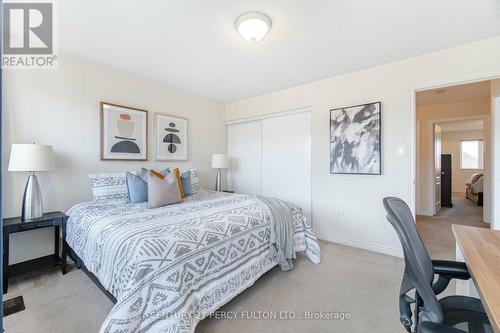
(109, 186)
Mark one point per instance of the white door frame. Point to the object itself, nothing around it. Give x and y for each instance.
(440, 83)
(435, 209)
(495, 171)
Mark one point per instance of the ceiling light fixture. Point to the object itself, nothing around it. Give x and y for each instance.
(253, 26)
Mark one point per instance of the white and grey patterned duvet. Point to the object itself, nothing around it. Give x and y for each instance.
(172, 266)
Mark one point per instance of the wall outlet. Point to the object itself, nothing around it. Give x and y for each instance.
(338, 212)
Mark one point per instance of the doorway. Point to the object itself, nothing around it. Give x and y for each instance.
(452, 162)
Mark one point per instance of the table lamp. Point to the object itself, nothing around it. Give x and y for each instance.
(31, 158)
(219, 161)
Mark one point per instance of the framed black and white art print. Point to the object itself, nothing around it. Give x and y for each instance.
(171, 140)
(355, 140)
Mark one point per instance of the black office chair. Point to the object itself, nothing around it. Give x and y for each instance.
(452, 314)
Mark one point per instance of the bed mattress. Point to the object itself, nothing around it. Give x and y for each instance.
(170, 267)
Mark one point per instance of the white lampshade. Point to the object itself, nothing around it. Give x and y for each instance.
(31, 157)
(220, 161)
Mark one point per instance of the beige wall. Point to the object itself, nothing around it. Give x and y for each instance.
(427, 115)
(362, 218)
(61, 108)
(451, 145)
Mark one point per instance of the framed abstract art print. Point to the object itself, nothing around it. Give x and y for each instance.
(124, 133)
(355, 140)
(171, 138)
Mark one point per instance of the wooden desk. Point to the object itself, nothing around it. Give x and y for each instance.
(481, 250)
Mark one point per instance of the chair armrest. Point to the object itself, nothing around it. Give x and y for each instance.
(430, 327)
(446, 271)
(451, 269)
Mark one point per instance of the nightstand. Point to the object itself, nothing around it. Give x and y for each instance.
(14, 224)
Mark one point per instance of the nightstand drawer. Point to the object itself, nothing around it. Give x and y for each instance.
(31, 226)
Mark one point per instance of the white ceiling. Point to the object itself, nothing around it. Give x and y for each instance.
(462, 125)
(456, 93)
(193, 43)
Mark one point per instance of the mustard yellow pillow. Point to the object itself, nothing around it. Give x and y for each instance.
(177, 173)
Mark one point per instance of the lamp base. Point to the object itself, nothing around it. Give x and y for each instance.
(218, 181)
(32, 200)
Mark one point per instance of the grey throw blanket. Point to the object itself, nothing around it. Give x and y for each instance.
(281, 219)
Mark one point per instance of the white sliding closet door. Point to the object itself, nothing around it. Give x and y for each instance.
(244, 149)
(286, 159)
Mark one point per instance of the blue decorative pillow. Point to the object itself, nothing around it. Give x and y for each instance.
(186, 182)
(137, 188)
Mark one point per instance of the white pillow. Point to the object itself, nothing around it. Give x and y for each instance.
(109, 186)
(478, 185)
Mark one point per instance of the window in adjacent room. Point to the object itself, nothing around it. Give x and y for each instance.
(471, 154)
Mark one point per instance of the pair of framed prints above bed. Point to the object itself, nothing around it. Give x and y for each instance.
(125, 134)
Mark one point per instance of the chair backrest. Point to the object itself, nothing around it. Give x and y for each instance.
(418, 264)
(475, 177)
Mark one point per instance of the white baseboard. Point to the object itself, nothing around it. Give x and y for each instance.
(392, 251)
(425, 213)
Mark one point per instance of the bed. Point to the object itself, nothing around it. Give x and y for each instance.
(169, 267)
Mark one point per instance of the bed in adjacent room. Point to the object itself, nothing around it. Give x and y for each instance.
(167, 268)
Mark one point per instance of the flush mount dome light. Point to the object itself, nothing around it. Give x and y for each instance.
(253, 26)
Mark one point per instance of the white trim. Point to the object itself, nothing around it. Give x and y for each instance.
(495, 163)
(261, 123)
(392, 251)
(460, 79)
(270, 115)
(491, 74)
(418, 175)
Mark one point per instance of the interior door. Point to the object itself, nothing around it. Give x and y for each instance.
(437, 169)
(244, 150)
(286, 159)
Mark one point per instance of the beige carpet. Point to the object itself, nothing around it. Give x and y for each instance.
(361, 283)
(436, 230)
